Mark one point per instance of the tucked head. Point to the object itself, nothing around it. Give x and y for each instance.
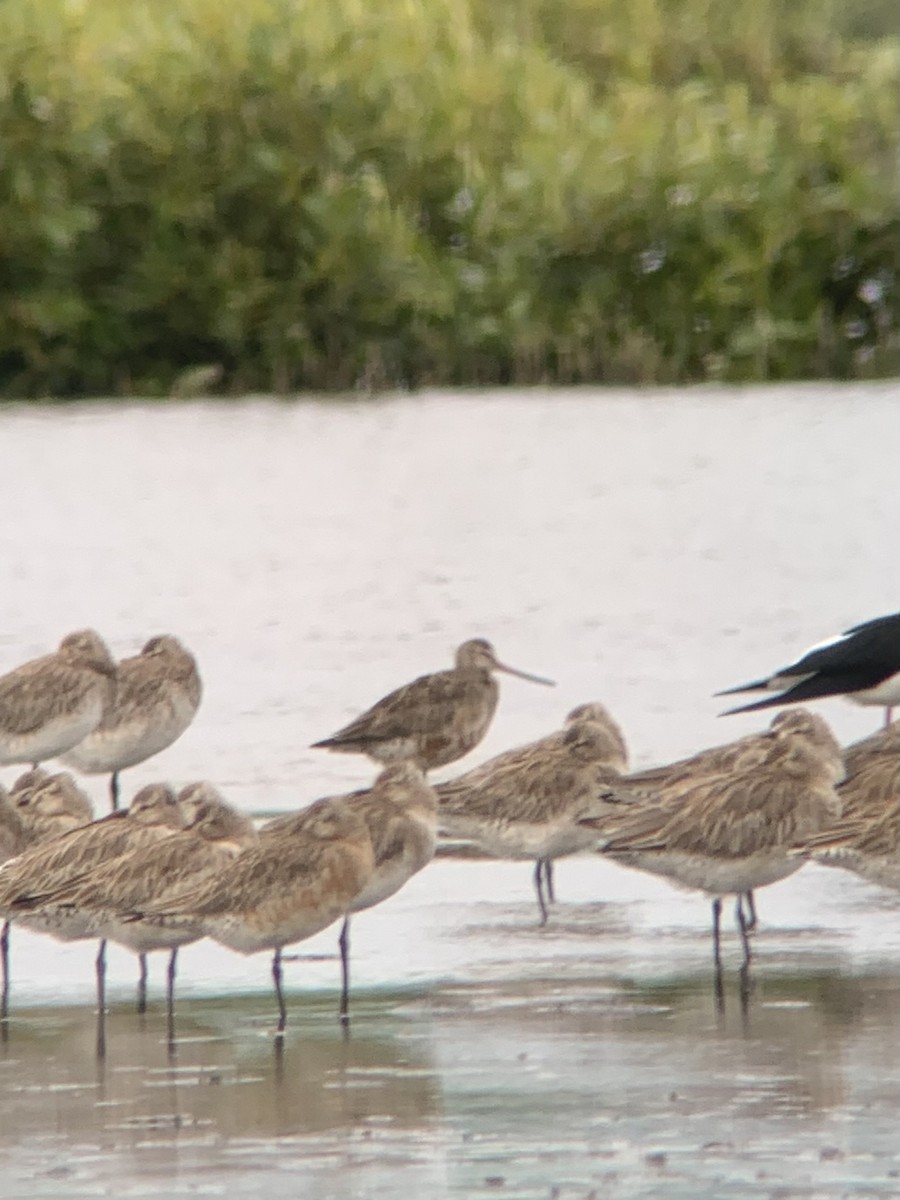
(589, 741)
(479, 654)
(85, 648)
(54, 796)
(207, 813)
(405, 785)
(168, 648)
(801, 725)
(156, 804)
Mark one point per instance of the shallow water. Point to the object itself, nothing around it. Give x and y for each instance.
(645, 549)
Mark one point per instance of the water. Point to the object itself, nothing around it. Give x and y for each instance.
(645, 549)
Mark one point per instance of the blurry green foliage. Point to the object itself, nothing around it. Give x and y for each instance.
(289, 194)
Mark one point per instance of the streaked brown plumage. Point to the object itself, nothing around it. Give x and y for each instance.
(49, 704)
(727, 834)
(213, 835)
(434, 720)
(158, 694)
(527, 802)
(866, 838)
(741, 755)
(282, 890)
(400, 813)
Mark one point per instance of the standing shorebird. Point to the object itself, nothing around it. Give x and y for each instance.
(44, 807)
(866, 838)
(862, 664)
(721, 760)
(157, 697)
(213, 835)
(49, 704)
(281, 891)
(729, 834)
(434, 720)
(527, 803)
(400, 813)
(29, 882)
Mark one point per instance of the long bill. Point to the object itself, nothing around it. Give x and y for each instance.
(499, 666)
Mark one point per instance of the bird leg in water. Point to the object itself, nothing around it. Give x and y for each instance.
(4, 956)
(101, 1000)
(745, 941)
(344, 943)
(170, 1000)
(276, 977)
(142, 985)
(539, 888)
(717, 955)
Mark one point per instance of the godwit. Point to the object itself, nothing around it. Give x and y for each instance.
(866, 838)
(214, 833)
(28, 883)
(45, 806)
(742, 754)
(400, 813)
(12, 841)
(283, 890)
(50, 703)
(728, 834)
(434, 720)
(158, 694)
(862, 664)
(527, 803)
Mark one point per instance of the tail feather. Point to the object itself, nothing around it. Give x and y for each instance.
(759, 685)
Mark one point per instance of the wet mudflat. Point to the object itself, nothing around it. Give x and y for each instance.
(645, 549)
(487, 1056)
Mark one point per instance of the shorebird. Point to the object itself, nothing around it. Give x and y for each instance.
(400, 813)
(50, 703)
(213, 835)
(434, 720)
(742, 754)
(866, 838)
(158, 694)
(729, 834)
(28, 883)
(527, 803)
(39, 807)
(862, 664)
(281, 891)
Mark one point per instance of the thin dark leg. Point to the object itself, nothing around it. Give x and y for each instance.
(170, 999)
(4, 957)
(114, 790)
(142, 985)
(888, 715)
(745, 941)
(548, 880)
(276, 976)
(718, 985)
(539, 888)
(344, 943)
(101, 1000)
(750, 914)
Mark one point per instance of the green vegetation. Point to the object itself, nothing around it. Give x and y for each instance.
(308, 195)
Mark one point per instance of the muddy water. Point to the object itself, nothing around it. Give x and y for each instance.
(645, 549)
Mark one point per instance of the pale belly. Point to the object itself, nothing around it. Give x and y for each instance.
(55, 736)
(522, 839)
(885, 694)
(716, 877)
(125, 745)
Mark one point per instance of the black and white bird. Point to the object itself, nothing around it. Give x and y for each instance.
(862, 664)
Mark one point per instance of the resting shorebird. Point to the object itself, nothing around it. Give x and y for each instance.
(44, 807)
(29, 882)
(434, 720)
(742, 753)
(280, 891)
(866, 838)
(158, 694)
(214, 833)
(527, 803)
(728, 834)
(400, 813)
(862, 664)
(49, 704)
